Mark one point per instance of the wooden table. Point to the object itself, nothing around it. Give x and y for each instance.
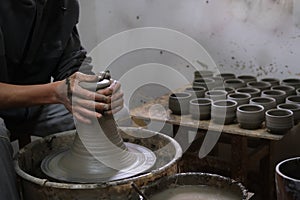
(248, 147)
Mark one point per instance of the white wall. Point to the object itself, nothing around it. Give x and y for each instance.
(242, 36)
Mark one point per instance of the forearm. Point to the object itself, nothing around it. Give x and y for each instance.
(12, 96)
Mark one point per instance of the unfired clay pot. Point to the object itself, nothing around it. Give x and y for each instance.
(278, 95)
(235, 83)
(260, 85)
(267, 102)
(215, 94)
(196, 92)
(293, 107)
(208, 83)
(229, 90)
(289, 90)
(287, 179)
(226, 76)
(179, 103)
(240, 98)
(295, 82)
(250, 116)
(279, 121)
(273, 81)
(203, 74)
(219, 81)
(254, 92)
(293, 99)
(223, 111)
(247, 78)
(200, 108)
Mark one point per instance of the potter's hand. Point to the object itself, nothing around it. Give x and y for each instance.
(83, 104)
(115, 97)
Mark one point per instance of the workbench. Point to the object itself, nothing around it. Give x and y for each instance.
(248, 147)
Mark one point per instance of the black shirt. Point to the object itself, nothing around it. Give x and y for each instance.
(39, 40)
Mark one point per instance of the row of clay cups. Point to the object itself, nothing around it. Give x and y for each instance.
(208, 80)
(224, 110)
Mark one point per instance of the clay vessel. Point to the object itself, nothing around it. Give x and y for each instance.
(267, 102)
(179, 103)
(295, 82)
(208, 83)
(293, 107)
(278, 95)
(229, 90)
(200, 108)
(196, 92)
(293, 99)
(215, 94)
(226, 76)
(259, 85)
(203, 74)
(287, 179)
(279, 121)
(289, 90)
(254, 92)
(223, 111)
(247, 78)
(273, 81)
(235, 83)
(240, 98)
(250, 116)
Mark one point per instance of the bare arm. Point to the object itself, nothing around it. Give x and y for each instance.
(83, 103)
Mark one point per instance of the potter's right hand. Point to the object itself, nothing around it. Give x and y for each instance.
(82, 103)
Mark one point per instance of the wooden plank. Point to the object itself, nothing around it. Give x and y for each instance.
(163, 114)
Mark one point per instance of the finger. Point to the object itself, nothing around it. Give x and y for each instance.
(114, 111)
(86, 112)
(85, 77)
(117, 96)
(89, 95)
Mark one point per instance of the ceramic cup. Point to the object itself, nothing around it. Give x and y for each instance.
(287, 179)
(208, 83)
(247, 78)
(260, 85)
(279, 121)
(254, 92)
(235, 83)
(295, 82)
(196, 92)
(229, 90)
(223, 111)
(215, 94)
(200, 108)
(267, 102)
(272, 81)
(240, 98)
(278, 95)
(226, 76)
(179, 103)
(293, 99)
(203, 74)
(293, 107)
(289, 90)
(250, 116)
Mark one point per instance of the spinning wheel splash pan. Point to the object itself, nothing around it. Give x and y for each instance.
(92, 170)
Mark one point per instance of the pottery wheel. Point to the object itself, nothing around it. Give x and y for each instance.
(98, 154)
(51, 166)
